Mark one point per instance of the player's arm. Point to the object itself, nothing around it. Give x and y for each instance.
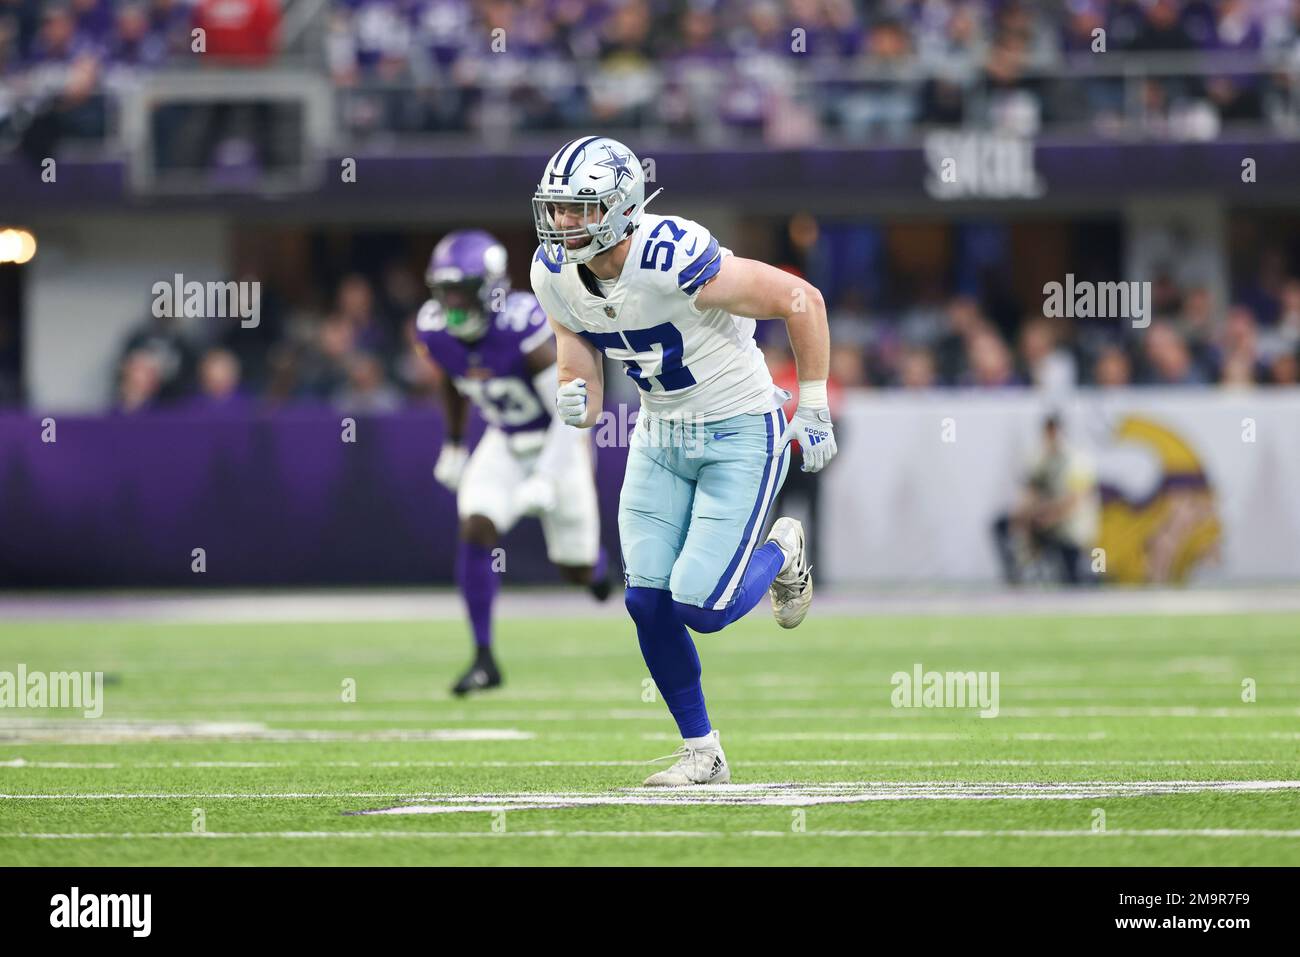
(453, 455)
(581, 392)
(746, 287)
(541, 490)
(455, 409)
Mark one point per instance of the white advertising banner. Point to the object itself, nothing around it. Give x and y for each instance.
(1196, 485)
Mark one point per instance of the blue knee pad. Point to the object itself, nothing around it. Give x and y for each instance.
(645, 604)
(704, 621)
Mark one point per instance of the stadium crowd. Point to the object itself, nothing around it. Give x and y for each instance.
(357, 350)
(784, 70)
(802, 68)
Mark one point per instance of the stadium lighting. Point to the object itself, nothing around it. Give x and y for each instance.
(17, 246)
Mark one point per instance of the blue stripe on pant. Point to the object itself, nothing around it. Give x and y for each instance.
(694, 509)
(719, 597)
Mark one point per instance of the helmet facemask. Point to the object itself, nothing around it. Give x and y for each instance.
(600, 234)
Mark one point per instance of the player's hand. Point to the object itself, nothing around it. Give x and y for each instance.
(450, 465)
(571, 402)
(816, 435)
(535, 495)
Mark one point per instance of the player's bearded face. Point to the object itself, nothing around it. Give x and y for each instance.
(568, 216)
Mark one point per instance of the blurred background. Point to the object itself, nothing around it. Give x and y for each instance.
(929, 164)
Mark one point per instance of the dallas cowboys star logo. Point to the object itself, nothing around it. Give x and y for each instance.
(618, 163)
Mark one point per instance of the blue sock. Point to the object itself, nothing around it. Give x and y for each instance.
(764, 565)
(670, 655)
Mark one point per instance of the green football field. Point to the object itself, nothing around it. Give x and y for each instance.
(1119, 740)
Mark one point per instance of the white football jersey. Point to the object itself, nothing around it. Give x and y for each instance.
(688, 363)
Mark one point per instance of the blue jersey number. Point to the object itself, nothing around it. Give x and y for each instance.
(672, 374)
(650, 252)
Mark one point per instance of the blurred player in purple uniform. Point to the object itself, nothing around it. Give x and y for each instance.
(497, 351)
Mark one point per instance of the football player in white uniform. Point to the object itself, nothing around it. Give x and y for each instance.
(709, 451)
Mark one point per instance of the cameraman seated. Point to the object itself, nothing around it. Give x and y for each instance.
(1055, 521)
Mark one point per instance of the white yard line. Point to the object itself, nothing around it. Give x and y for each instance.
(779, 794)
(46, 731)
(339, 713)
(820, 763)
(840, 792)
(118, 731)
(645, 835)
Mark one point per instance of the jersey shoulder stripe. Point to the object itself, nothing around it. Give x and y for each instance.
(701, 269)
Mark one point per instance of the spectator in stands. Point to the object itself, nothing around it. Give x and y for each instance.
(847, 366)
(140, 381)
(951, 45)
(173, 21)
(321, 369)
(355, 304)
(1285, 369)
(989, 362)
(219, 375)
(1044, 363)
(1196, 324)
(1162, 28)
(1284, 336)
(1237, 349)
(134, 43)
(1012, 98)
(884, 107)
(246, 31)
(1168, 361)
(917, 370)
(1112, 368)
(627, 81)
(166, 342)
(964, 320)
(367, 391)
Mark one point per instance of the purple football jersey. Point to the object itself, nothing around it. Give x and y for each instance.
(492, 372)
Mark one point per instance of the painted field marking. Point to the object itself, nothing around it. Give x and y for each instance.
(342, 714)
(75, 731)
(645, 835)
(814, 763)
(779, 794)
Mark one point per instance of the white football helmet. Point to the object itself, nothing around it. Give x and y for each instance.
(603, 176)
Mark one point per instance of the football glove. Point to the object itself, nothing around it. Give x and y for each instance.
(451, 463)
(571, 402)
(812, 427)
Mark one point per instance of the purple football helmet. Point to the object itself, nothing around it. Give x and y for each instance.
(467, 278)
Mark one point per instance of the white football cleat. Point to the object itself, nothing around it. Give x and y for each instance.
(792, 589)
(706, 765)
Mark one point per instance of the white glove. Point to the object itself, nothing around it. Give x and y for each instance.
(535, 495)
(571, 402)
(811, 425)
(451, 463)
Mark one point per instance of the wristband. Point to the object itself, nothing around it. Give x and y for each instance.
(813, 394)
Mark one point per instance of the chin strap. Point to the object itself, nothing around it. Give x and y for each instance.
(646, 202)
